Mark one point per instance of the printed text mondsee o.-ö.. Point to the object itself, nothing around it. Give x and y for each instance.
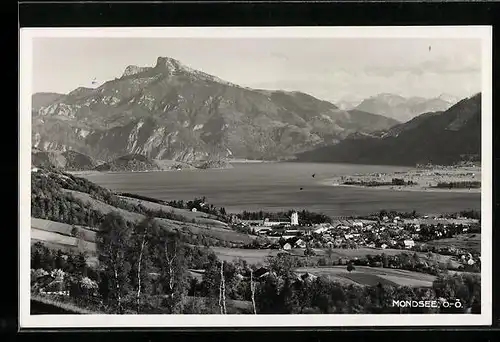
(457, 304)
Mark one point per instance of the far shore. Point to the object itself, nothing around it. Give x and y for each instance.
(94, 172)
(192, 168)
(418, 188)
(249, 161)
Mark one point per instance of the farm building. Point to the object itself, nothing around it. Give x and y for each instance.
(287, 246)
(300, 243)
(307, 277)
(321, 230)
(409, 243)
(263, 231)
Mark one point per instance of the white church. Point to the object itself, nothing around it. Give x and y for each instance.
(293, 221)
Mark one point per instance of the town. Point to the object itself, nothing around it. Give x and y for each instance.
(377, 232)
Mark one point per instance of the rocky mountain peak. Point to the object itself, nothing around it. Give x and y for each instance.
(134, 69)
(167, 63)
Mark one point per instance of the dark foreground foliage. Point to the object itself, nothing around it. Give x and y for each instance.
(148, 270)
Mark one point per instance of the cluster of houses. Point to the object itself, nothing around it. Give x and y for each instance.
(396, 233)
(55, 283)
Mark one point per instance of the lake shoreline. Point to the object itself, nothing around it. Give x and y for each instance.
(285, 186)
(405, 188)
(92, 172)
(413, 180)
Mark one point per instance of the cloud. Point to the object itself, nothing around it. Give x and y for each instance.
(441, 66)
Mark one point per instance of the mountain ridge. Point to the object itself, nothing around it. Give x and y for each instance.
(446, 137)
(404, 108)
(171, 111)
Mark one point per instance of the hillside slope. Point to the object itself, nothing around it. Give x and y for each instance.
(439, 138)
(60, 201)
(171, 111)
(128, 163)
(67, 160)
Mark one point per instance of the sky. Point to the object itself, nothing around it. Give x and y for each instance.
(333, 69)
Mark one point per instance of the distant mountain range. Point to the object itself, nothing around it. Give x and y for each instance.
(445, 137)
(404, 109)
(173, 112)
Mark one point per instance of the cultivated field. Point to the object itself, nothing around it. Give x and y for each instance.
(252, 256)
(86, 233)
(471, 242)
(255, 256)
(364, 251)
(42, 235)
(105, 208)
(57, 235)
(199, 217)
(65, 243)
(217, 231)
(364, 275)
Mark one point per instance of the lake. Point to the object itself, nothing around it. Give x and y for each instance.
(276, 186)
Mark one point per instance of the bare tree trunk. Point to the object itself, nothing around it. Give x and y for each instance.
(118, 294)
(171, 280)
(220, 296)
(252, 289)
(170, 261)
(139, 263)
(222, 290)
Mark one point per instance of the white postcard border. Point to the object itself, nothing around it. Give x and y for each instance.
(200, 321)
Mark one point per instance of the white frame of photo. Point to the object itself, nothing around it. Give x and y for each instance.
(483, 33)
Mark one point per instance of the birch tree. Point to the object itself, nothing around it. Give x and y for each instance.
(142, 236)
(169, 259)
(252, 291)
(222, 290)
(112, 239)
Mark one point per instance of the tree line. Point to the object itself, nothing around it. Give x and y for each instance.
(48, 201)
(200, 204)
(305, 216)
(372, 183)
(283, 293)
(459, 185)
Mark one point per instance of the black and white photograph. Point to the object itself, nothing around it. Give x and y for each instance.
(223, 177)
